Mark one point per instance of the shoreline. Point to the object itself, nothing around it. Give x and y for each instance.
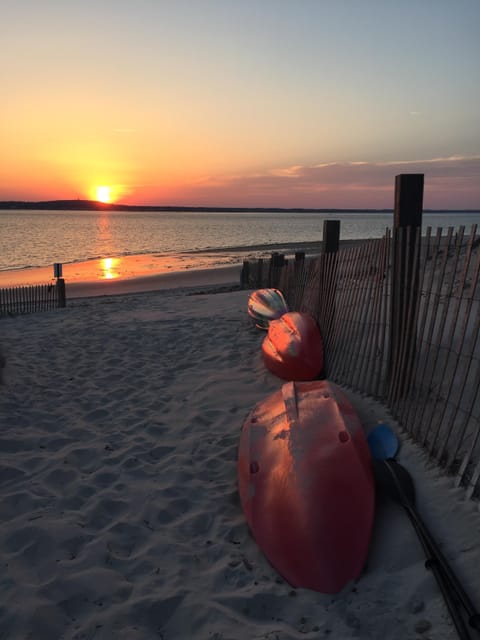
(130, 274)
(95, 205)
(151, 272)
(220, 276)
(188, 278)
(142, 273)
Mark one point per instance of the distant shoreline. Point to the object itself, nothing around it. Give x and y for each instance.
(152, 271)
(93, 205)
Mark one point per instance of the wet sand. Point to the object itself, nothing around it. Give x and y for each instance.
(151, 272)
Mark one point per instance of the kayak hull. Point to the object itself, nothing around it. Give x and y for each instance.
(265, 305)
(293, 347)
(306, 485)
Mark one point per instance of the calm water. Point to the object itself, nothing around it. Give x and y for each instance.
(40, 238)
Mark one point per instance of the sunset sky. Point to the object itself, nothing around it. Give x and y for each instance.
(281, 103)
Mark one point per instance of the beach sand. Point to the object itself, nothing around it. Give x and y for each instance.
(119, 513)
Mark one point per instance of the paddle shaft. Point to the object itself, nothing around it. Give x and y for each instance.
(437, 561)
(441, 578)
(401, 487)
(448, 581)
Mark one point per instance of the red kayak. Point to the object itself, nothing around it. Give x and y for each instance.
(293, 347)
(306, 485)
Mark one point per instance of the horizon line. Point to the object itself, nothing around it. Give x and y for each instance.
(96, 205)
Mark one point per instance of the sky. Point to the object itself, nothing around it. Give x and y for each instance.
(272, 103)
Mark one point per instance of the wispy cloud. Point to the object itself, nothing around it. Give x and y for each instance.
(450, 182)
(289, 172)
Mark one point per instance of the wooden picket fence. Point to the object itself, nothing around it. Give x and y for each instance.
(41, 297)
(413, 343)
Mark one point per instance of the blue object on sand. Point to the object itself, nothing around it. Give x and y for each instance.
(383, 442)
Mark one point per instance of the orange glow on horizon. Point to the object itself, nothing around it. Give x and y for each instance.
(108, 193)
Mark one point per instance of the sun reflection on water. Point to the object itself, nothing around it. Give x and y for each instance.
(109, 267)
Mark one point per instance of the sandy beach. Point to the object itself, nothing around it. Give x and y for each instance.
(120, 516)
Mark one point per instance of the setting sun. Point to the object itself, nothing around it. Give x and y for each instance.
(103, 194)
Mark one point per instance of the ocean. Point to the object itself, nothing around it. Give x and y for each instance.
(30, 239)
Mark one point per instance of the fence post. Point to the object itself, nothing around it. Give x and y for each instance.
(328, 277)
(245, 275)
(259, 276)
(299, 257)
(270, 269)
(331, 236)
(277, 261)
(62, 300)
(407, 214)
(296, 285)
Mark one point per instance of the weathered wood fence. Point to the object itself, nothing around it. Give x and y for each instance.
(431, 380)
(41, 297)
(400, 320)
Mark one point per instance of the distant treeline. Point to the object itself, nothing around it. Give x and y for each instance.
(93, 205)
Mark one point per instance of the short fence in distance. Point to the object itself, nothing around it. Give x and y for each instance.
(41, 297)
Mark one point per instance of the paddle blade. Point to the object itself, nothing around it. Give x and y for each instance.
(394, 480)
(383, 442)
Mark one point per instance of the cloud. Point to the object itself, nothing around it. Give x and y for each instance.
(450, 182)
(289, 172)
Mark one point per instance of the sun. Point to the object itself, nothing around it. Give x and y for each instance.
(103, 194)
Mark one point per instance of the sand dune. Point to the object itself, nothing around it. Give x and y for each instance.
(120, 516)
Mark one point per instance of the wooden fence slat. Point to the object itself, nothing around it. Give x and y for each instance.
(340, 330)
(397, 295)
(430, 253)
(376, 270)
(328, 309)
(382, 373)
(408, 338)
(332, 337)
(336, 342)
(373, 344)
(424, 247)
(351, 310)
(30, 299)
(363, 316)
(470, 353)
(436, 384)
(425, 341)
(455, 323)
(431, 382)
(437, 331)
(352, 353)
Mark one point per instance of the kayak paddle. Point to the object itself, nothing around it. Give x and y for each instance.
(398, 484)
(382, 442)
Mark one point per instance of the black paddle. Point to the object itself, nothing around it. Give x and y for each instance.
(398, 484)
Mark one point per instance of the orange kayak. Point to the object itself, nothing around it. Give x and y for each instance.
(306, 485)
(293, 347)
